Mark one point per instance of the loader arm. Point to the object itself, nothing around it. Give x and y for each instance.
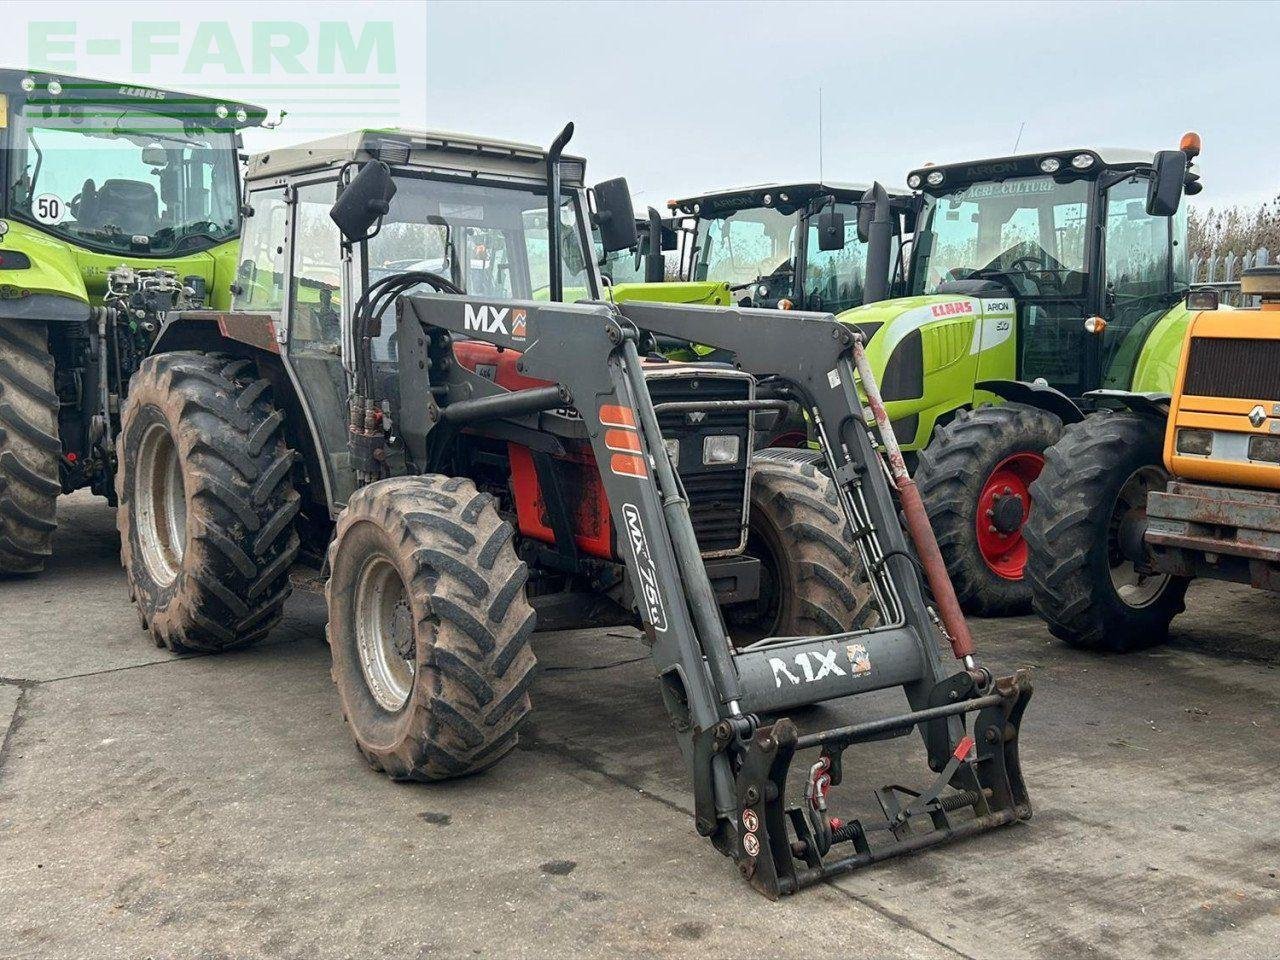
(717, 694)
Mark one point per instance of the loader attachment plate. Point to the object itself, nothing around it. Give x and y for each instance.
(782, 848)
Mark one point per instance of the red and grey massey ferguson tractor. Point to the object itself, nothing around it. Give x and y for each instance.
(497, 459)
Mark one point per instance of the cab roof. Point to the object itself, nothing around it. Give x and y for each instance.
(1028, 165)
(786, 197)
(434, 149)
(172, 103)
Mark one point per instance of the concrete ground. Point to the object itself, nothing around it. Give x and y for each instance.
(153, 806)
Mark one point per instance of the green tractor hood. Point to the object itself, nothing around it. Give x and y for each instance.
(929, 351)
(43, 278)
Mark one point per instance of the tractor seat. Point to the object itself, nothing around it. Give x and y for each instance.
(131, 205)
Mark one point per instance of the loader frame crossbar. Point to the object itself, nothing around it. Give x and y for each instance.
(718, 696)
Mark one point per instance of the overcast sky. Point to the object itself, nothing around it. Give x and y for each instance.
(681, 97)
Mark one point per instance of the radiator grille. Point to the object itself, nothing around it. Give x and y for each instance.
(1233, 367)
(717, 493)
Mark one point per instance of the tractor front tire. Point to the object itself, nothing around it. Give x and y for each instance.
(429, 627)
(1096, 478)
(29, 447)
(974, 478)
(206, 502)
(812, 581)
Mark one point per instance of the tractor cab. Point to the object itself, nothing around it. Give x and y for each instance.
(465, 214)
(1075, 241)
(120, 170)
(794, 245)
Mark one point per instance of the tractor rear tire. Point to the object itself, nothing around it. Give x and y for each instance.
(1096, 477)
(207, 502)
(429, 627)
(974, 477)
(812, 580)
(29, 447)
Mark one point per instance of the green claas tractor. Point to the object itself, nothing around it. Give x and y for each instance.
(792, 245)
(1034, 281)
(120, 203)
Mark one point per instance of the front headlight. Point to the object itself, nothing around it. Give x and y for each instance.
(1266, 449)
(934, 178)
(720, 450)
(1196, 443)
(673, 451)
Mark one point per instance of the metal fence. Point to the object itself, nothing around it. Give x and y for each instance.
(1221, 272)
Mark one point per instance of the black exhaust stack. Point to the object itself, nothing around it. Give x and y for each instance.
(553, 212)
(655, 265)
(875, 229)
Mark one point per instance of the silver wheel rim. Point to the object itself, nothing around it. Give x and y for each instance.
(384, 634)
(1135, 589)
(160, 504)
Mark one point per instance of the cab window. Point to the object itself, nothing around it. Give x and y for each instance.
(315, 298)
(260, 277)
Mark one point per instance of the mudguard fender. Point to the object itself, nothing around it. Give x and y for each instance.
(1035, 395)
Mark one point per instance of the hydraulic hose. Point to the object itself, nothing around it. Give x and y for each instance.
(922, 536)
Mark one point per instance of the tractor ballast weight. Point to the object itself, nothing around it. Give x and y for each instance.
(718, 695)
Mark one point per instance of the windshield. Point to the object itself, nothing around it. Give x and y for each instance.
(489, 240)
(745, 245)
(123, 179)
(1028, 233)
(624, 266)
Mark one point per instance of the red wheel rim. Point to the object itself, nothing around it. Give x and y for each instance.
(1002, 510)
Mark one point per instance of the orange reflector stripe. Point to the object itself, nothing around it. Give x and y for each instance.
(612, 415)
(622, 440)
(627, 465)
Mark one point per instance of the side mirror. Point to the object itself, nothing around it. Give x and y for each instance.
(364, 201)
(831, 229)
(615, 216)
(1164, 192)
(155, 155)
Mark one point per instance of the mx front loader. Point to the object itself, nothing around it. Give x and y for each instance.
(480, 462)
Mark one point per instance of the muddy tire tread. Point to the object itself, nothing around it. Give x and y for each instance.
(467, 597)
(29, 447)
(237, 471)
(950, 474)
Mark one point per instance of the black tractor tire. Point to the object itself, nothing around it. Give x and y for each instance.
(206, 502)
(433, 669)
(1073, 535)
(812, 579)
(958, 475)
(29, 447)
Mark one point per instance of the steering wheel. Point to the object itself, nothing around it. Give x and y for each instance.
(1007, 273)
(86, 199)
(1034, 268)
